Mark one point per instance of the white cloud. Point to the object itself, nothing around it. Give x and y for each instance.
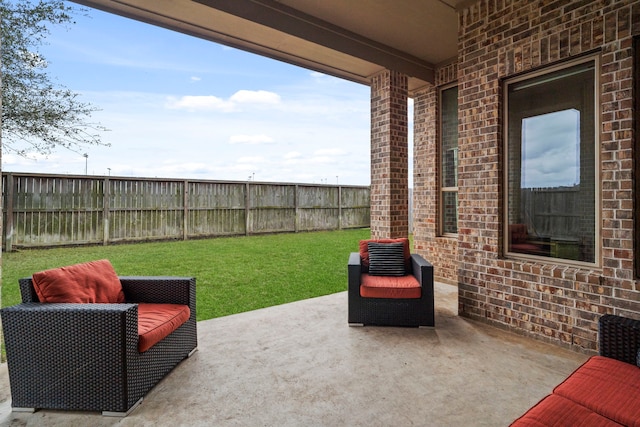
(330, 152)
(200, 103)
(255, 97)
(292, 155)
(195, 79)
(250, 139)
(249, 98)
(254, 159)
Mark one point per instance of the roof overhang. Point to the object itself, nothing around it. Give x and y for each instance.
(349, 39)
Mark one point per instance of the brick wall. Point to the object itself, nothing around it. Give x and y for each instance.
(428, 242)
(389, 156)
(499, 39)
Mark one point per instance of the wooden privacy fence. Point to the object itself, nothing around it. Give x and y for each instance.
(53, 210)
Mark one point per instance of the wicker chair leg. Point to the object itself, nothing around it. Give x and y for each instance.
(29, 410)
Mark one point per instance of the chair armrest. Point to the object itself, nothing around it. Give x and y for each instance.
(619, 338)
(159, 289)
(422, 270)
(355, 270)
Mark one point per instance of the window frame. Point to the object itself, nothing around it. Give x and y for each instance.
(441, 188)
(595, 59)
(636, 154)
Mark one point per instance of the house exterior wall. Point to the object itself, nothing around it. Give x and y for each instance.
(428, 241)
(499, 39)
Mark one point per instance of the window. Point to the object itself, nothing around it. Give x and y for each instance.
(449, 160)
(551, 157)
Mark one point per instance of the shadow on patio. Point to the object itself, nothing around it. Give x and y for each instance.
(300, 364)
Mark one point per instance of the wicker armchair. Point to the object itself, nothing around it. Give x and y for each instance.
(391, 311)
(85, 356)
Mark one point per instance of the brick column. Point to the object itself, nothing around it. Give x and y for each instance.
(389, 156)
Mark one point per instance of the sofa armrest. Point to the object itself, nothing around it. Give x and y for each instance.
(619, 338)
(160, 290)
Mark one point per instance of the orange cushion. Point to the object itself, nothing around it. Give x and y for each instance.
(156, 321)
(89, 282)
(364, 250)
(389, 286)
(556, 410)
(607, 386)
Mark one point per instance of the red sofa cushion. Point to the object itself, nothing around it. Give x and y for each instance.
(156, 321)
(364, 250)
(389, 286)
(89, 282)
(555, 410)
(607, 386)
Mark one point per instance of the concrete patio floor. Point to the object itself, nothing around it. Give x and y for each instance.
(300, 364)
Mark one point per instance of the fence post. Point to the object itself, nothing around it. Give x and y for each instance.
(339, 207)
(247, 207)
(297, 208)
(185, 212)
(8, 226)
(106, 210)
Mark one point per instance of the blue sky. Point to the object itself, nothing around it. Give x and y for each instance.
(180, 107)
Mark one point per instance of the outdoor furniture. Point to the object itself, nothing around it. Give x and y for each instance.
(521, 242)
(88, 355)
(389, 286)
(604, 391)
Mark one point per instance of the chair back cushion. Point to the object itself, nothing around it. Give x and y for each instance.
(89, 282)
(364, 251)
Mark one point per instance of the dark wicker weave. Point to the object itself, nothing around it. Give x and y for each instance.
(85, 356)
(392, 311)
(619, 338)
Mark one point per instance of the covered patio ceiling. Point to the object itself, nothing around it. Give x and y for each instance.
(349, 39)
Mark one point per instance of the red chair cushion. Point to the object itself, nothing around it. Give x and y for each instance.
(156, 321)
(607, 386)
(89, 282)
(389, 286)
(364, 250)
(555, 410)
(518, 232)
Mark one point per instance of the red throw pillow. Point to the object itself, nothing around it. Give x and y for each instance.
(90, 282)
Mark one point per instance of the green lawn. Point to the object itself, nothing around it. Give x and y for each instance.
(233, 274)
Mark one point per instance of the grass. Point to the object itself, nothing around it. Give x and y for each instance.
(233, 274)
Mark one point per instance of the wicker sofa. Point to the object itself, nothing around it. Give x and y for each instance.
(604, 391)
(83, 356)
(398, 310)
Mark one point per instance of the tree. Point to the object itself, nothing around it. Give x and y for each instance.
(37, 115)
